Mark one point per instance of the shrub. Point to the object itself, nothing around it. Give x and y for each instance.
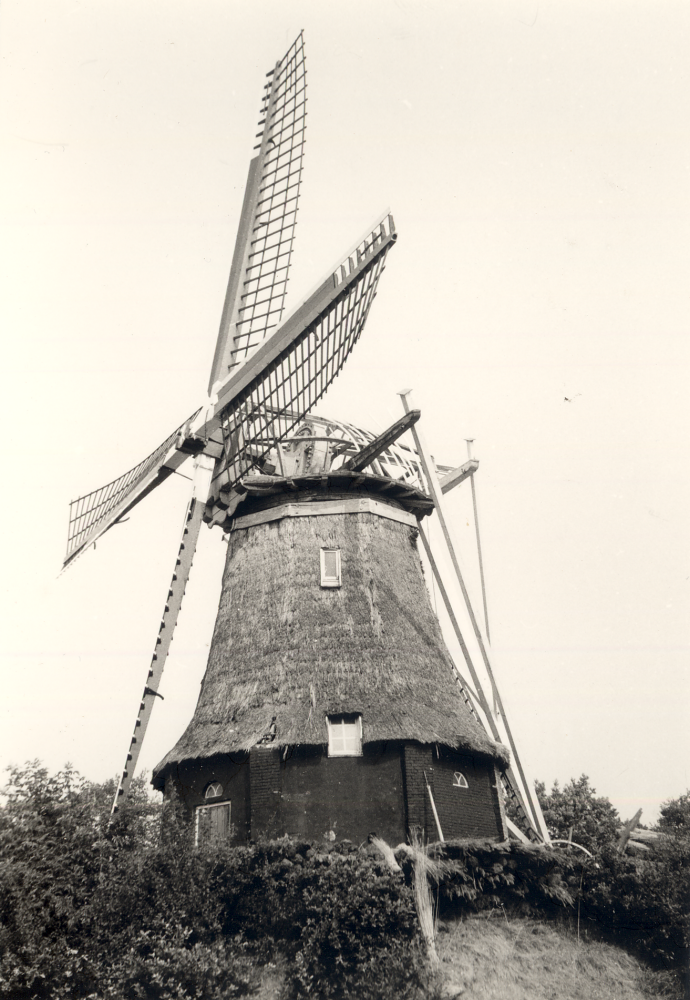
(125, 912)
(88, 910)
(576, 808)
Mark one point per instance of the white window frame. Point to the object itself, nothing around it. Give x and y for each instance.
(335, 722)
(206, 808)
(459, 780)
(214, 790)
(330, 581)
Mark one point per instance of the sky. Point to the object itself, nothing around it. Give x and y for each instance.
(536, 159)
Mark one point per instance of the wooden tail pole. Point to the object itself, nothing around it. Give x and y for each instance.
(436, 495)
(479, 555)
(376, 447)
(510, 782)
(479, 544)
(193, 519)
(481, 697)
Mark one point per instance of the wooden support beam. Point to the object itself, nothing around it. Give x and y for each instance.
(627, 830)
(479, 545)
(458, 475)
(203, 468)
(516, 832)
(479, 694)
(433, 806)
(371, 452)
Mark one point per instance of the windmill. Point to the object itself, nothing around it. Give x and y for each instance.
(279, 481)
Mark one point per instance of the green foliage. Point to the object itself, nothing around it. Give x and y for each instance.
(483, 875)
(645, 902)
(124, 912)
(675, 815)
(576, 807)
(644, 899)
(132, 911)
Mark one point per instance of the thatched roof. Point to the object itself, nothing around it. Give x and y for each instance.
(286, 653)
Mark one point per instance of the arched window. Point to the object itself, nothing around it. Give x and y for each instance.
(214, 790)
(459, 780)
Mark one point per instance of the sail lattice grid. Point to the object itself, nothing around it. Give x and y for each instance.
(88, 514)
(286, 390)
(263, 290)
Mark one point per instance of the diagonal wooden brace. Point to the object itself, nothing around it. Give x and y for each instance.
(202, 480)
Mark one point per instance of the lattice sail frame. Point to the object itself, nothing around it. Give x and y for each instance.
(263, 290)
(275, 402)
(89, 512)
(264, 400)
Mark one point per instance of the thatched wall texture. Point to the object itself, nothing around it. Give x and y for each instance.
(286, 652)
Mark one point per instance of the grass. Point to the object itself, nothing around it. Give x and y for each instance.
(513, 958)
(517, 958)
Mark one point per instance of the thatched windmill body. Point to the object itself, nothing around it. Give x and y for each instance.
(330, 701)
(330, 705)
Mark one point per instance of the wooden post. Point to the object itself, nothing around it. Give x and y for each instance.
(479, 544)
(437, 497)
(433, 806)
(627, 830)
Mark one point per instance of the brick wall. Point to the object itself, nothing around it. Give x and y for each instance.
(466, 812)
(474, 811)
(417, 759)
(264, 785)
(383, 792)
(190, 780)
(343, 798)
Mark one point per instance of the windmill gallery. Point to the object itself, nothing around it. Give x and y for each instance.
(330, 707)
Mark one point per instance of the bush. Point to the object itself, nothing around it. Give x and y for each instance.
(576, 809)
(641, 901)
(646, 900)
(125, 912)
(88, 910)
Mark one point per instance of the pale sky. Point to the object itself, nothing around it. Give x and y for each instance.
(536, 159)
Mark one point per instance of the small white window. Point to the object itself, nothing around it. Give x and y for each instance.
(212, 823)
(330, 567)
(459, 780)
(214, 790)
(344, 735)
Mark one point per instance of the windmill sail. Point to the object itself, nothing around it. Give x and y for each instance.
(257, 286)
(91, 515)
(288, 375)
(266, 397)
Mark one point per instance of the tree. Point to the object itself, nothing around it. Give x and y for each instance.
(675, 815)
(55, 846)
(593, 820)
